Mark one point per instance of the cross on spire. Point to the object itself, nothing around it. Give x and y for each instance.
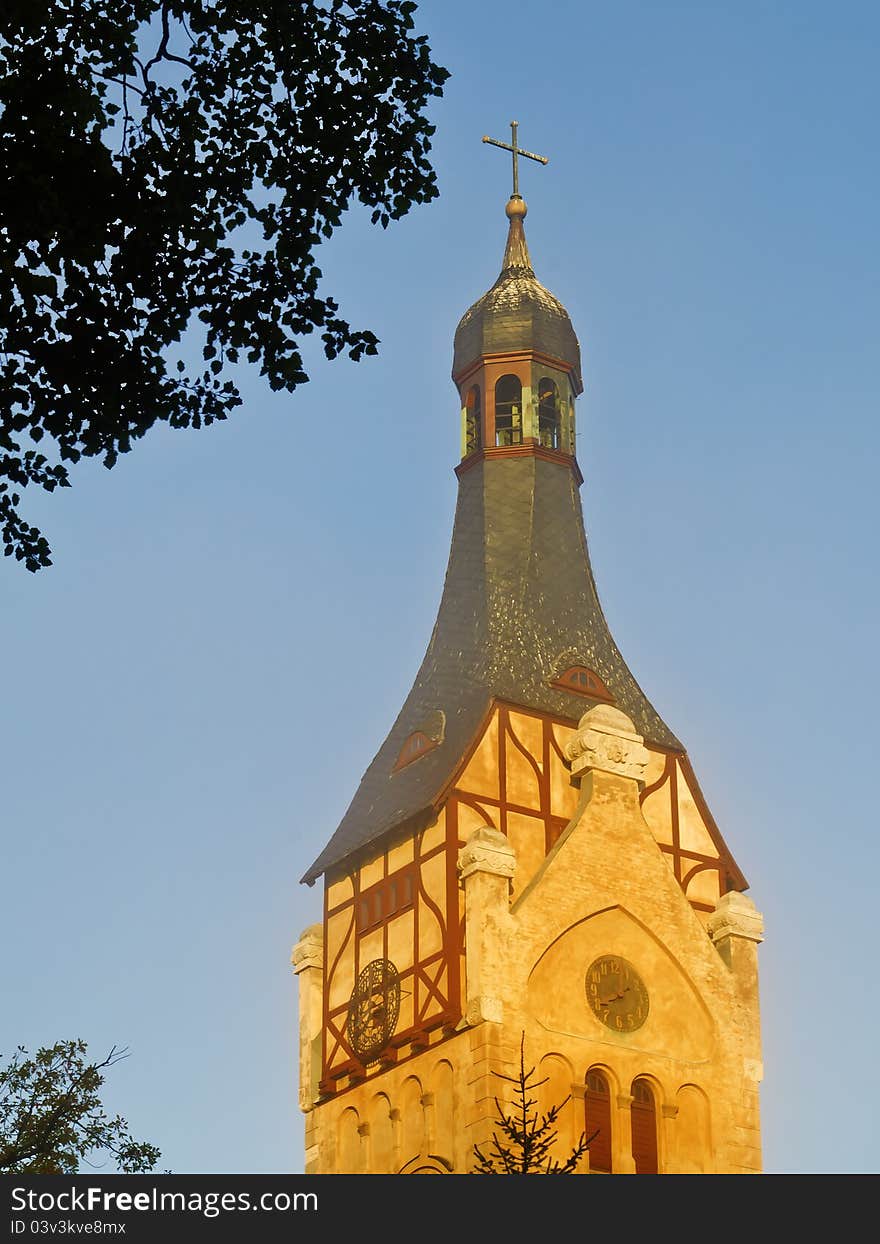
(517, 151)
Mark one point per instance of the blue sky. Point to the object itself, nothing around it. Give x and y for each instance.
(235, 615)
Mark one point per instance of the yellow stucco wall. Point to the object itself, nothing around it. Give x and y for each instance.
(604, 889)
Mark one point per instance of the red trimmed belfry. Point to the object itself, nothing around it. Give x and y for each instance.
(517, 362)
(529, 851)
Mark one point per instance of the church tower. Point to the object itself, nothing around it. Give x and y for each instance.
(529, 855)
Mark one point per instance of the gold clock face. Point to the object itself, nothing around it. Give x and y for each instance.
(616, 994)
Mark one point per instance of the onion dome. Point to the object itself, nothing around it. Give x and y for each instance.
(517, 313)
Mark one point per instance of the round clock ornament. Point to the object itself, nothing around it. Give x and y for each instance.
(616, 993)
(373, 1009)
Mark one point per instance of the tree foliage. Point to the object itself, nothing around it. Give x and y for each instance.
(524, 1142)
(168, 168)
(52, 1119)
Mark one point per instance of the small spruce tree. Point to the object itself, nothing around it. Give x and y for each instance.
(524, 1141)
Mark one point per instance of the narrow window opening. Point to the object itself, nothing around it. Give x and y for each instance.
(508, 411)
(385, 899)
(548, 413)
(597, 1108)
(473, 421)
(644, 1128)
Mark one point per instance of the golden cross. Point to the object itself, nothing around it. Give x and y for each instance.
(517, 151)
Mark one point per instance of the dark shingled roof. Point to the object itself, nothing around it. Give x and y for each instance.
(519, 606)
(517, 313)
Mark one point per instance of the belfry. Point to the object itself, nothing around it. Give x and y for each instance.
(529, 855)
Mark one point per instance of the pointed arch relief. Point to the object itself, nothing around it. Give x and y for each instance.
(678, 1023)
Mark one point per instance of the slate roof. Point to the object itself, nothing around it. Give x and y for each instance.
(519, 606)
(519, 603)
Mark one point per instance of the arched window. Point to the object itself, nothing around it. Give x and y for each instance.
(508, 411)
(597, 1112)
(582, 681)
(473, 421)
(644, 1128)
(414, 746)
(548, 413)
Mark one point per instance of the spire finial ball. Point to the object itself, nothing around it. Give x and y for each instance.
(516, 208)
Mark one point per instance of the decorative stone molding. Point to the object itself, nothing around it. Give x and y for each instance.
(607, 740)
(484, 1010)
(578, 1090)
(309, 950)
(307, 961)
(624, 1101)
(486, 862)
(735, 916)
(312, 1158)
(753, 1069)
(669, 1112)
(487, 851)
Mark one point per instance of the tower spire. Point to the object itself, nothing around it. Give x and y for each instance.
(517, 313)
(517, 260)
(516, 253)
(528, 820)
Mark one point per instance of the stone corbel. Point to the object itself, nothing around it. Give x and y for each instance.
(607, 740)
(309, 950)
(486, 851)
(735, 915)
